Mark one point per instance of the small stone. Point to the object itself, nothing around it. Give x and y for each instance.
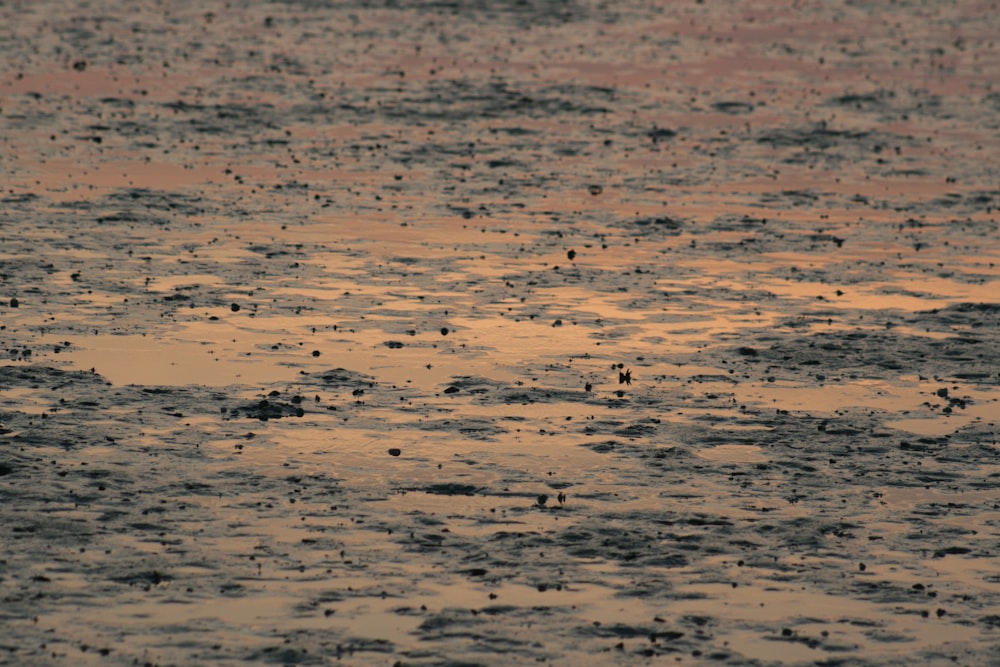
(14, 303)
(395, 451)
(235, 307)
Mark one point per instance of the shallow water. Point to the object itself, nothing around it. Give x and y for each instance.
(317, 316)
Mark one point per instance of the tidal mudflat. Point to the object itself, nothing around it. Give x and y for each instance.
(457, 333)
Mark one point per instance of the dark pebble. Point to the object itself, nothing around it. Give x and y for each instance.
(235, 307)
(315, 353)
(395, 451)
(14, 303)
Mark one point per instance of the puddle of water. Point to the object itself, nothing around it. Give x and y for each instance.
(733, 454)
(29, 401)
(144, 360)
(848, 623)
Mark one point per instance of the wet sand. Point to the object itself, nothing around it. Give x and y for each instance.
(555, 332)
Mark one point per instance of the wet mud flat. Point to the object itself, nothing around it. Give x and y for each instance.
(548, 332)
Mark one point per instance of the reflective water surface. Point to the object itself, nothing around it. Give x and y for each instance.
(450, 333)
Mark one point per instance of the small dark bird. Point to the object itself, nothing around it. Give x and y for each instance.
(626, 377)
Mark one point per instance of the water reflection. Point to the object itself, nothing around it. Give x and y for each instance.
(289, 239)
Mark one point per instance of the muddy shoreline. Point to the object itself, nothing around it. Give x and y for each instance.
(554, 332)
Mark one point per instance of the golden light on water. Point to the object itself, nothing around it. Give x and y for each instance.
(317, 317)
